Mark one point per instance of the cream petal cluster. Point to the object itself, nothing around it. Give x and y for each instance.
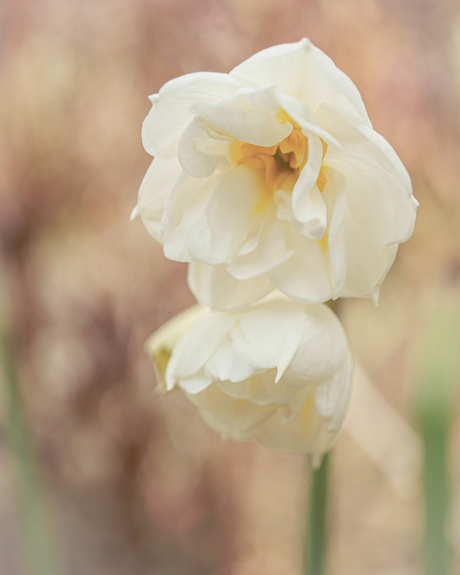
(279, 371)
(272, 177)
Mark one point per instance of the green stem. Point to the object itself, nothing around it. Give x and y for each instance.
(435, 407)
(317, 520)
(436, 549)
(37, 549)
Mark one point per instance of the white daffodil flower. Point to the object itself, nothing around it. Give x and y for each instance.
(280, 371)
(272, 177)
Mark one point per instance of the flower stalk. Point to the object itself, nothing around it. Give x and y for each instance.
(438, 387)
(38, 551)
(316, 541)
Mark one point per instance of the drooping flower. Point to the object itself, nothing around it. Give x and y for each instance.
(280, 371)
(272, 177)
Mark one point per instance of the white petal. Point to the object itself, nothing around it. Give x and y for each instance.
(187, 197)
(305, 72)
(215, 287)
(196, 347)
(301, 197)
(306, 433)
(323, 347)
(156, 185)
(268, 335)
(283, 200)
(253, 126)
(161, 343)
(334, 196)
(235, 418)
(195, 383)
(332, 395)
(314, 209)
(270, 251)
(201, 150)
(263, 99)
(212, 215)
(253, 236)
(301, 281)
(368, 263)
(379, 192)
(226, 365)
(170, 111)
(167, 336)
(305, 276)
(260, 389)
(305, 118)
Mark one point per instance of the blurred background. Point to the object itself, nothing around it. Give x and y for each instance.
(135, 484)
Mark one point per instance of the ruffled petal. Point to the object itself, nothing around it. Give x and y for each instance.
(333, 395)
(283, 201)
(243, 117)
(187, 197)
(304, 117)
(314, 210)
(379, 191)
(368, 262)
(161, 343)
(334, 197)
(171, 113)
(196, 347)
(260, 389)
(317, 271)
(305, 72)
(305, 276)
(202, 150)
(235, 418)
(302, 204)
(306, 433)
(226, 365)
(157, 184)
(267, 335)
(195, 383)
(271, 251)
(212, 216)
(215, 287)
(323, 347)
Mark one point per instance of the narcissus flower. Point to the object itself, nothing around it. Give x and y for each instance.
(280, 371)
(272, 177)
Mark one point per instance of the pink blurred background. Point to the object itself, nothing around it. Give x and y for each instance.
(136, 484)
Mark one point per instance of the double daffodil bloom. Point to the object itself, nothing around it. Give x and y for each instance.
(280, 371)
(272, 177)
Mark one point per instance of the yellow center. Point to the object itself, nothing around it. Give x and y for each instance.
(279, 165)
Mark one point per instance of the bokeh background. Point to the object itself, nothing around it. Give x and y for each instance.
(135, 484)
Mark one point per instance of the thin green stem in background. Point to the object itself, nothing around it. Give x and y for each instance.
(38, 555)
(317, 520)
(436, 550)
(438, 386)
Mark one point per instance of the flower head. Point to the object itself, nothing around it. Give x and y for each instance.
(280, 371)
(272, 177)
